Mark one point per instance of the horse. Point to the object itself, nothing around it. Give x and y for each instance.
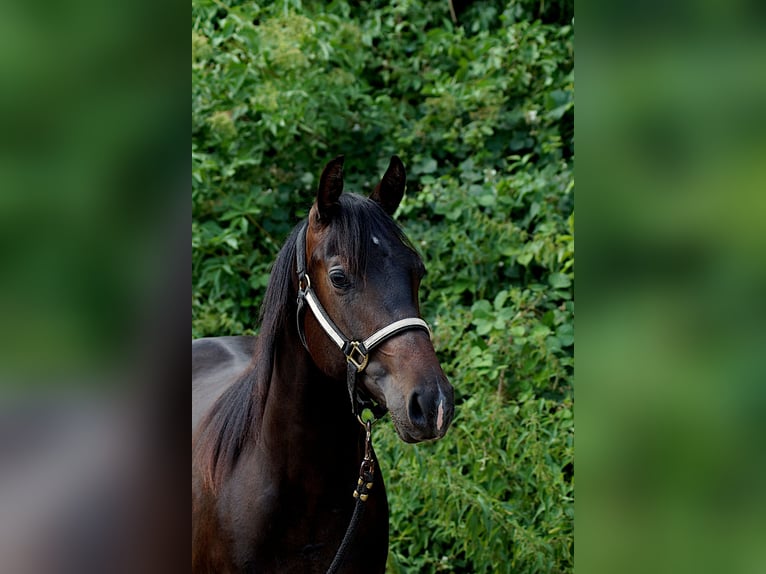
(280, 463)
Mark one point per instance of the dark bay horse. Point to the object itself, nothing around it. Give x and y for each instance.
(276, 445)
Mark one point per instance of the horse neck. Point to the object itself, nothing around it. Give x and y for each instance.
(307, 415)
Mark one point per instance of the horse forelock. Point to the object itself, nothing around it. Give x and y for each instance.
(357, 230)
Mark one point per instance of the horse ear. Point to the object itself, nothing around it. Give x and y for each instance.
(389, 192)
(330, 187)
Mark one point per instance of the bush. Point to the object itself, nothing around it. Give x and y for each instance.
(482, 114)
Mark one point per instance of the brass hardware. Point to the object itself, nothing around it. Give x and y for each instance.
(361, 363)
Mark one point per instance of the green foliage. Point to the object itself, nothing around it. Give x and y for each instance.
(500, 504)
(481, 113)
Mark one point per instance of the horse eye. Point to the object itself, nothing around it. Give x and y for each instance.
(339, 279)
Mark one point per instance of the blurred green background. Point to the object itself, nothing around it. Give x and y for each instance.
(91, 171)
(480, 107)
(671, 375)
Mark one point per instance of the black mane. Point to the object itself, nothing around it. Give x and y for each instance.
(231, 421)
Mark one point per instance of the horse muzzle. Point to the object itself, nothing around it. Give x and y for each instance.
(429, 411)
(421, 406)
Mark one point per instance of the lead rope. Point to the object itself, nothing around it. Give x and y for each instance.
(361, 493)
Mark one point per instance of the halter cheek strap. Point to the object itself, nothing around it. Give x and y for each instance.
(357, 352)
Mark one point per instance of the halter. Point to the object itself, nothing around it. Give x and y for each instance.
(357, 352)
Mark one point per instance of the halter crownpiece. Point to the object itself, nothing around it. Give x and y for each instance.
(357, 352)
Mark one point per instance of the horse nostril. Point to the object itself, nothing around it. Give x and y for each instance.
(416, 410)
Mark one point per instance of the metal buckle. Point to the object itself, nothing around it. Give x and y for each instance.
(301, 279)
(363, 357)
(366, 416)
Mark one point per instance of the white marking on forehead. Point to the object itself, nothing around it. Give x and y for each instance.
(440, 414)
(375, 240)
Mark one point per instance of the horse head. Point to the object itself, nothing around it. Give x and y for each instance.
(366, 276)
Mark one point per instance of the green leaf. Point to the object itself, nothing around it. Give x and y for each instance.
(525, 258)
(484, 327)
(428, 166)
(559, 281)
(487, 200)
(500, 299)
(540, 330)
(518, 330)
(565, 333)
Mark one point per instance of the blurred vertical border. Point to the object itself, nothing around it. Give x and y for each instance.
(94, 270)
(671, 378)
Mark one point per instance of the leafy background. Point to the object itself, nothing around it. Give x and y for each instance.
(481, 111)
